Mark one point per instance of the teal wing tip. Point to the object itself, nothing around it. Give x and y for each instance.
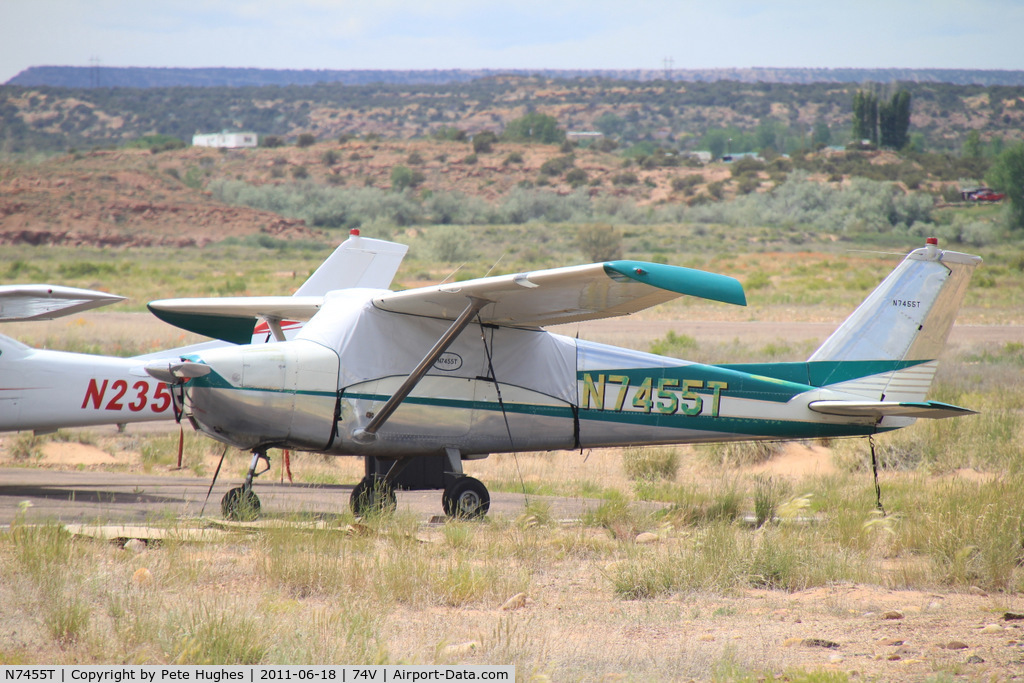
(689, 281)
(234, 330)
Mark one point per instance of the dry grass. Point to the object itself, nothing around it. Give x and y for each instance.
(705, 599)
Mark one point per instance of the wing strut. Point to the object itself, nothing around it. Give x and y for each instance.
(275, 327)
(369, 432)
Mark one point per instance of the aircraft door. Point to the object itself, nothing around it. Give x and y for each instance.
(437, 413)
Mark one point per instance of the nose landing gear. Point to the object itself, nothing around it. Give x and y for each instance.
(241, 504)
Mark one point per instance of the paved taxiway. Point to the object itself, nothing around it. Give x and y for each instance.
(111, 497)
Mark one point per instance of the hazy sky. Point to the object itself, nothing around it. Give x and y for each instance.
(496, 34)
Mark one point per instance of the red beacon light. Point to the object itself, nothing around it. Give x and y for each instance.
(354, 232)
(933, 241)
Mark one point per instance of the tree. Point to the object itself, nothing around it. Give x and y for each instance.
(996, 146)
(715, 141)
(611, 125)
(534, 127)
(865, 116)
(972, 145)
(1007, 175)
(894, 120)
(822, 135)
(403, 177)
(771, 134)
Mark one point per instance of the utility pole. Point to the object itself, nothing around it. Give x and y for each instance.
(94, 71)
(668, 63)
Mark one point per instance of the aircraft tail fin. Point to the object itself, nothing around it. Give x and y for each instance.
(357, 262)
(898, 332)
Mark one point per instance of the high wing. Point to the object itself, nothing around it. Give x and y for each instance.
(46, 302)
(565, 295)
(538, 298)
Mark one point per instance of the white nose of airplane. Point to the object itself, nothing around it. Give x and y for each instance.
(267, 395)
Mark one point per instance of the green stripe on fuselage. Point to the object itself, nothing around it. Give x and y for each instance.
(822, 373)
(729, 426)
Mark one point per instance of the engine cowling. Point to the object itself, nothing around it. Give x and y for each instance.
(280, 394)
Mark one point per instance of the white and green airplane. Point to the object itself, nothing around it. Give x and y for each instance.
(455, 372)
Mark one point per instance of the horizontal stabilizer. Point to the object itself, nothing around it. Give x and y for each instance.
(565, 295)
(880, 409)
(233, 319)
(46, 302)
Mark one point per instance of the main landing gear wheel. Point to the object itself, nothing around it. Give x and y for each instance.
(240, 505)
(372, 495)
(466, 498)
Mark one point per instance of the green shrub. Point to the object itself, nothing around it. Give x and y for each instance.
(576, 177)
(739, 454)
(557, 165)
(674, 345)
(483, 142)
(450, 243)
(534, 127)
(600, 242)
(657, 462)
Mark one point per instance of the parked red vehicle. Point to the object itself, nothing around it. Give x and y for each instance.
(987, 195)
(983, 194)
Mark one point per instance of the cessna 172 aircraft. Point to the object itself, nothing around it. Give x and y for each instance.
(458, 371)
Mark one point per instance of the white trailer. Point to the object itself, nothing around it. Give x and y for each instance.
(226, 140)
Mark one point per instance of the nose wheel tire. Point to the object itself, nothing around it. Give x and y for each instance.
(466, 498)
(240, 505)
(371, 496)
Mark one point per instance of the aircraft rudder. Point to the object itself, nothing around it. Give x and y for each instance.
(356, 262)
(909, 315)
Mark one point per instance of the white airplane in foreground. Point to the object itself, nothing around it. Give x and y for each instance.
(454, 372)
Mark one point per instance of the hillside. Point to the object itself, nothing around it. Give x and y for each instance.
(149, 77)
(676, 115)
(118, 198)
(195, 196)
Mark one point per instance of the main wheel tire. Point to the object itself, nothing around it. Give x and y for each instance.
(466, 498)
(240, 505)
(372, 495)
